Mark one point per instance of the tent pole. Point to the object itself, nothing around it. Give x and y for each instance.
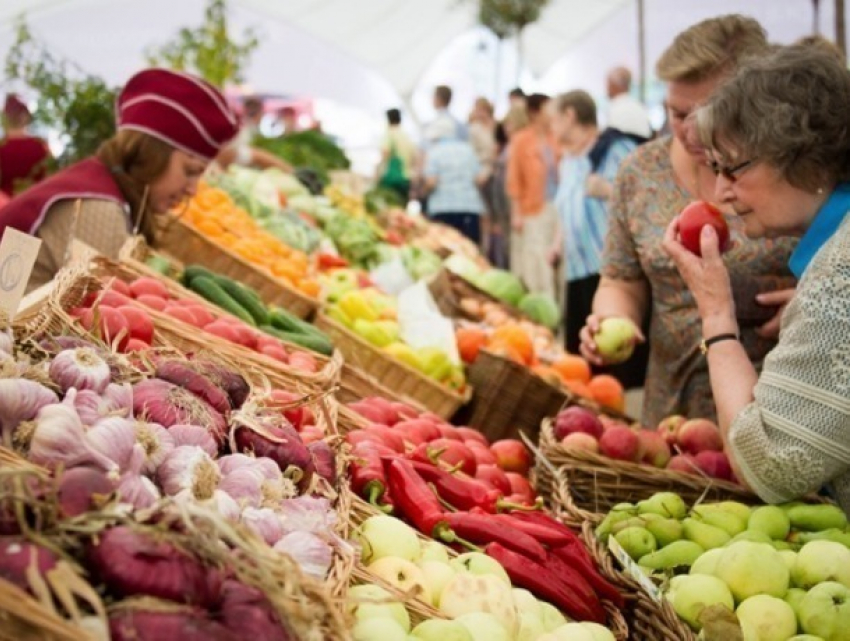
(840, 31)
(641, 51)
(816, 17)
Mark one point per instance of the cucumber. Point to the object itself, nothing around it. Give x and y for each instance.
(311, 342)
(191, 272)
(213, 292)
(247, 298)
(284, 321)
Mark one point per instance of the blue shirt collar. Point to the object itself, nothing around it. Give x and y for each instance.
(824, 225)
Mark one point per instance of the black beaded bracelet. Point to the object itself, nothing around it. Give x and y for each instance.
(705, 343)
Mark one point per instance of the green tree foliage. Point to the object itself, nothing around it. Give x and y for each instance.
(79, 105)
(208, 50)
(507, 18)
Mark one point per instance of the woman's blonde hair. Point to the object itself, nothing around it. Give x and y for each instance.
(789, 110)
(136, 160)
(710, 48)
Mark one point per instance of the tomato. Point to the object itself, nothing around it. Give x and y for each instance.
(182, 314)
(112, 326)
(139, 323)
(114, 298)
(303, 361)
(276, 352)
(135, 345)
(223, 330)
(201, 313)
(696, 216)
(150, 286)
(154, 302)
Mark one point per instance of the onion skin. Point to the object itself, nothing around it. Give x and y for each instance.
(151, 625)
(234, 385)
(79, 488)
(168, 404)
(131, 563)
(246, 611)
(291, 453)
(16, 554)
(323, 460)
(185, 376)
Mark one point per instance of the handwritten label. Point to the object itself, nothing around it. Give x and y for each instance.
(633, 569)
(18, 252)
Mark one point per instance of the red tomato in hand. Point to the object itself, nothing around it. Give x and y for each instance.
(696, 216)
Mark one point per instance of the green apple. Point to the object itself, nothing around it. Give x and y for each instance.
(771, 520)
(403, 574)
(530, 627)
(753, 568)
(794, 598)
(598, 632)
(691, 594)
(707, 562)
(385, 629)
(467, 593)
(825, 611)
(819, 561)
(551, 616)
(440, 630)
(477, 563)
(434, 551)
(667, 504)
(766, 618)
(526, 602)
(483, 626)
(615, 339)
(436, 576)
(374, 602)
(636, 541)
(382, 536)
(790, 558)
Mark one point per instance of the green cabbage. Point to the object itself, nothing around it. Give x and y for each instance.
(502, 285)
(542, 309)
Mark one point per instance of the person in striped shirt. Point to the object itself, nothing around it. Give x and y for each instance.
(586, 175)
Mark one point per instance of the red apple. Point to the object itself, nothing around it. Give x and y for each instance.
(511, 455)
(449, 453)
(699, 435)
(469, 434)
(483, 455)
(696, 216)
(495, 477)
(656, 452)
(669, 428)
(683, 463)
(714, 464)
(521, 489)
(580, 441)
(621, 443)
(577, 419)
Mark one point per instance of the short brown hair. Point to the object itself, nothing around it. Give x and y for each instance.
(827, 45)
(582, 105)
(789, 110)
(712, 47)
(535, 102)
(443, 93)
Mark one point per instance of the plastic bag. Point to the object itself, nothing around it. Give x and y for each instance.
(421, 323)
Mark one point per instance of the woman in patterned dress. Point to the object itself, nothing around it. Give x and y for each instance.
(653, 185)
(781, 148)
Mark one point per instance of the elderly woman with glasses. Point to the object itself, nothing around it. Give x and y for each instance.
(780, 141)
(638, 280)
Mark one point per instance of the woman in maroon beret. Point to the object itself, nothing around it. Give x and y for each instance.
(170, 126)
(23, 158)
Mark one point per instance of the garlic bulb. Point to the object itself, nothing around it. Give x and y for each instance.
(81, 369)
(116, 400)
(265, 522)
(21, 400)
(135, 489)
(114, 438)
(157, 443)
(220, 501)
(309, 551)
(231, 462)
(188, 467)
(193, 435)
(244, 485)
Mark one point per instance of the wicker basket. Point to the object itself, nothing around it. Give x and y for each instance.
(391, 372)
(596, 483)
(449, 289)
(188, 245)
(72, 285)
(355, 384)
(648, 619)
(508, 398)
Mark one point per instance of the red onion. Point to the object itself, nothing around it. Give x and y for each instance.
(153, 625)
(81, 489)
(246, 611)
(16, 555)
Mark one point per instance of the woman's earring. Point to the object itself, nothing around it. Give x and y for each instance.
(820, 191)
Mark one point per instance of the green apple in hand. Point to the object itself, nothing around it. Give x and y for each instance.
(616, 339)
(440, 630)
(382, 536)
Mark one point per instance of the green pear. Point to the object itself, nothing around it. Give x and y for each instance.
(636, 541)
(790, 505)
(806, 637)
(706, 563)
(782, 546)
(770, 520)
(753, 536)
(814, 518)
(730, 523)
(707, 536)
(832, 534)
(668, 504)
(665, 531)
(634, 521)
(605, 528)
(678, 553)
(794, 597)
(732, 507)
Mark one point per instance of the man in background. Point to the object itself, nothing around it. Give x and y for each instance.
(625, 112)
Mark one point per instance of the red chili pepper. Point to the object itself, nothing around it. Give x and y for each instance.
(414, 499)
(547, 582)
(460, 492)
(482, 529)
(542, 533)
(575, 555)
(367, 475)
(330, 261)
(545, 520)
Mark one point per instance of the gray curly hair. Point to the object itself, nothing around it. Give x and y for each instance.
(788, 109)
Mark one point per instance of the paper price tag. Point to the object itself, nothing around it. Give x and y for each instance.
(18, 252)
(633, 570)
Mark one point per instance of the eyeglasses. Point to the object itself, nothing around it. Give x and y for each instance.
(730, 173)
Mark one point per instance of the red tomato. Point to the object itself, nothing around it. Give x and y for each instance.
(120, 286)
(223, 330)
(303, 361)
(112, 326)
(150, 286)
(154, 302)
(696, 216)
(114, 298)
(276, 352)
(182, 314)
(139, 323)
(201, 313)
